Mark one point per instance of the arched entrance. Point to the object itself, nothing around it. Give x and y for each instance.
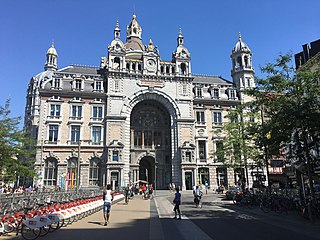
(147, 169)
(150, 128)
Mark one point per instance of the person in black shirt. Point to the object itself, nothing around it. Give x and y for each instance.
(177, 202)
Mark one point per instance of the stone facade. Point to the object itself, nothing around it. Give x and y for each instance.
(134, 117)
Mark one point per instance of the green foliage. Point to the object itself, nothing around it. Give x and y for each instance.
(290, 100)
(237, 136)
(15, 156)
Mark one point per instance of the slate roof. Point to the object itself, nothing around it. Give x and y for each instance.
(88, 70)
(205, 79)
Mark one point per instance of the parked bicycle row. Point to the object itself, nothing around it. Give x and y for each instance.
(280, 203)
(43, 217)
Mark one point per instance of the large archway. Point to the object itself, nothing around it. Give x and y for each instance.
(150, 128)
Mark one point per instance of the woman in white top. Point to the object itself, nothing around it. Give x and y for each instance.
(107, 198)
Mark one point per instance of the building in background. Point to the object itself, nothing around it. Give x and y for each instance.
(136, 116)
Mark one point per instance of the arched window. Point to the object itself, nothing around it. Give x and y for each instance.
(94, 172)
(167, 69)
(239, 63)
(162, 69)
(50, 172)
(183, 69)
(246, 61)
(139, 67)
(117, 62)
(127, 66)
(72, 172)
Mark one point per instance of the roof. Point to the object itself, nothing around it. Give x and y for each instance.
(134, 43)
(90, 70)
(205, 79)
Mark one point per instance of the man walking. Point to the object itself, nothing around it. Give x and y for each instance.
(177, 202)
(107, 198)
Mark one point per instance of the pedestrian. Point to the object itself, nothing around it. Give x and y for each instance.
(144, 189)
(207, 187)
(177, 202)
(107, 198)
(127, 193)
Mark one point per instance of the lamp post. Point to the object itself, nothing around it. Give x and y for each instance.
(155, 168)
(78, 167)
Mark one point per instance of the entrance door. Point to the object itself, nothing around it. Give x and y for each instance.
(188, 180)
(146, 169)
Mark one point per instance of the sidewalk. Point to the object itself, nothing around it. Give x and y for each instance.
(126, 221)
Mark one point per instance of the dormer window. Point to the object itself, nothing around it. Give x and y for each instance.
(98, 86)
(232, 94)
(56, 84)
(198, 92)
(216, 93)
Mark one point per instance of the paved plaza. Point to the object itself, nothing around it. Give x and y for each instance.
(217, 219)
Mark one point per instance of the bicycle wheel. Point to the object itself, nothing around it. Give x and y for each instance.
(8, 227)
(29, 233)
(45, 230)
(54, 226)
(236, 199)
(265, 207)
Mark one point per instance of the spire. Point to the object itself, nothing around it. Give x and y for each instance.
(52, 55)
(134, 29)
(180, 38)
(150, 47)
(239, 37)
(117, 31)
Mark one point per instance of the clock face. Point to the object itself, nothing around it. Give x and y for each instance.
(151, 65)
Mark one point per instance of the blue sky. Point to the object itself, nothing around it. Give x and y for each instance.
(82, 31)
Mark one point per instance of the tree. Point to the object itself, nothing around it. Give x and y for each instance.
(236, 140)
(291, 102)
(16, 157)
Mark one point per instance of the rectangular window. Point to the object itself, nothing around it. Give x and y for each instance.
(216, 93)
(53, 133)
(188, 157)
(96, 134)
(217, 117)
(116, 85)
(248, 82)
(98, 86)
(147, 138)
(202, 150)
(232, 94)
(184, 89)
(157, 138)
(78, 84)
(115, 155)
(137, 138)
(55, 110)
(97, 113)
(75, 134)
(199, 92)
(76, 111)
(219, 151)
(56, 83)
(200, 117)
